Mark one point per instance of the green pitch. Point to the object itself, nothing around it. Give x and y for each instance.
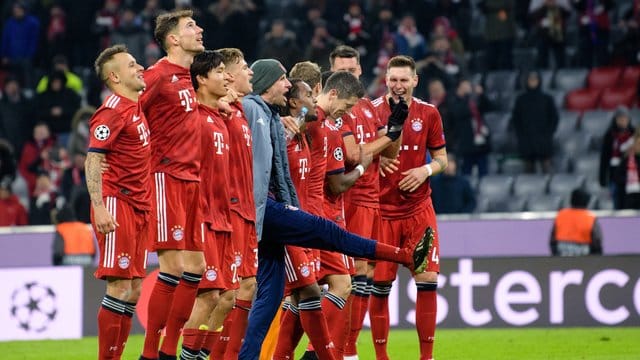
(495, 344)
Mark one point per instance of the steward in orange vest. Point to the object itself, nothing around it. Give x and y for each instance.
(73, 243)
(576, 231)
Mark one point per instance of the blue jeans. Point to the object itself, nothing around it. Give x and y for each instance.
(286, 226)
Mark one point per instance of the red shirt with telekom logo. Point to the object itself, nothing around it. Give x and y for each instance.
(299, 156)
(334, 203)
(241, 166)
(318, 134)
(170, 104)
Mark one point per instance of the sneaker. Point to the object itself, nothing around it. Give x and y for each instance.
(309, 355)
(421, 251)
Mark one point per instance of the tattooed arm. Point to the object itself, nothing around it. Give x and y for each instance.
(103, 220)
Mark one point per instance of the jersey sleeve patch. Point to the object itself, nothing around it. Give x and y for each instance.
(102, 132)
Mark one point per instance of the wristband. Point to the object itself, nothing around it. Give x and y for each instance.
(360, 169)
(429, 170)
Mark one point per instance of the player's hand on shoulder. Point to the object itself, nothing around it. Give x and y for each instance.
(388, 165)
(413, 178)
(290, 124)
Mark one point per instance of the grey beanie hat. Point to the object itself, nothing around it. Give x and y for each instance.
(265, 73)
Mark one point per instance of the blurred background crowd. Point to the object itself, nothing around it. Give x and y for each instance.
(538, 97)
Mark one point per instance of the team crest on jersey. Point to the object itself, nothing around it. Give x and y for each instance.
(338, 123)
(211, 274)
(237, 259)
(368, 113)
(416, 124)
(337, 154)
(177, 232)
(102, 132)
(124, 260)
(305, 271)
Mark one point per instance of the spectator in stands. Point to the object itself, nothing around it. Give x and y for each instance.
(57, 105)
(439, 98)
(321, 45)
(12, 212)
(535, 119)
(59, 63)
(73, 178)
(472, 134)
(280, 44)
(56, 41)
(16, 114)
(106, 20)
(627, 50)
(409, 41)
(452, 193)
(595, 30)
(131, 33)
(628, 175)
(354, 32)
(499, 33)
(149, 14)
(20, 42)
(440, 63)
(43, 201)
(615, 144)
(35, 155)
(550, 27)
(73, 242)
(382, 33)
(7, 160)
(79, 139)
(576, 231)
(442, 28)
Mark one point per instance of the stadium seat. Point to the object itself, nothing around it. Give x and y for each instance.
(512, 166)
(603, 77)
(587, 165)
(500, 81)
(570, 79)
(547, 79)
(582, 99)
(558, 97)
(497, 121)
(630, 76)
(595, 123)
(495, 185)
(561, 162)
(567, 124)
(551, 202)
(530, 184)
(576, 144)
(604, 201)
(564, 184)
(506, 204)
(611, 98)
(524, 57)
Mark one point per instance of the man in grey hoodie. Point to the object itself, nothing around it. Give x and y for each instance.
(279, 222)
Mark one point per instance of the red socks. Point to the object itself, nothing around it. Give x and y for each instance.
(162, 296)
(239, 315)
(379, 316)
(209, 342)
(333, 308)
(183, 300)
(109, 319)
(217, 352)
(426, 306)
(315, 325)
(359, 307)
(192, 340)
(125, 326)
(290, 333)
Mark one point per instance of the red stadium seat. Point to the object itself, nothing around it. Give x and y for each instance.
(603, 77)
(630, 76)
(613, 97)
(582, 99)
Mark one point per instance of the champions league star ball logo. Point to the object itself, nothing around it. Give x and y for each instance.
(102, 132)
(33, 307)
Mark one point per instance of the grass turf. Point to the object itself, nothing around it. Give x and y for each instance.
(495, 344)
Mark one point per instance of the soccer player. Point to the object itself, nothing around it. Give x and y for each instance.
(243, 211)
(280, 222)
(405, 205)
(363, 132)
(120, 197)
(210, 80)
(170, 104)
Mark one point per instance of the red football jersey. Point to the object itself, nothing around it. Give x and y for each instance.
(299, 156)
(334, 203)
(315, 184)
(422, 131)
(214, 188)
(241, 168)
(363, 123)
(119, 129)
(169, 102)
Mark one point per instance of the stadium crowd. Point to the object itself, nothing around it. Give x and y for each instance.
(471, 56)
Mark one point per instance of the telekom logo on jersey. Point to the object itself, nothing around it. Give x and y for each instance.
(218, 142)
(186, 99)
(304, 168)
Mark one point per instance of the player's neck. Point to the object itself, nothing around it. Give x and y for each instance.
(208, 100)
(126, 93)
(180, 58)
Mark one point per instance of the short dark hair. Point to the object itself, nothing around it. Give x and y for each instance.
(166, 23)
(203, 63)
(580, 198)
(294, 91)
(344, 51)
(105, 56)
(402, 61)
(308, 72)
(345, 83)
(231, 55)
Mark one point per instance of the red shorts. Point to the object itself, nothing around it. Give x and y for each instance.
(245, 242)
(220, 271)
(300, 268)
(398, 232)
(334, 263)
(178, 214)
(363, 221)
(123, 252)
